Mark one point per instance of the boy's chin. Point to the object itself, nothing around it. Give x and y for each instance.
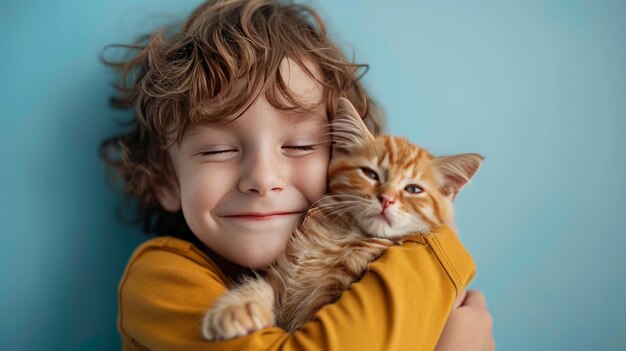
(260, 261)
(258, 255)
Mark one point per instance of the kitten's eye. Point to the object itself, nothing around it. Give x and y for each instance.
(413, 189)
(370, 173)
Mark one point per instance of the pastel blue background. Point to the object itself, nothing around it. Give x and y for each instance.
(538, 87)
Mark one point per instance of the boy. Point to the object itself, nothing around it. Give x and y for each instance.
(228, 150)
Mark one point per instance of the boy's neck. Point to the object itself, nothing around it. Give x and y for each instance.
(234, 272)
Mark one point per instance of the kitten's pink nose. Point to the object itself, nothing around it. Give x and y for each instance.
(386, 200)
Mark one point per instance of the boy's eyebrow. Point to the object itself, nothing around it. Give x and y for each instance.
(198, 128)
(298, 110)
(313, 111)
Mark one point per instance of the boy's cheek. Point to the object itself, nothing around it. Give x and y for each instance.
(312, 174)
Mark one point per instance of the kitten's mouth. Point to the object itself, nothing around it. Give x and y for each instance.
(376, 225)
(385, 219)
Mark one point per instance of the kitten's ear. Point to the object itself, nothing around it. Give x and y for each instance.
(455, 171)
(348, 129)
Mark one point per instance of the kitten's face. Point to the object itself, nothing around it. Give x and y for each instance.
(389, 186)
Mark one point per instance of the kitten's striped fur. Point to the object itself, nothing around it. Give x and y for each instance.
(381, 189)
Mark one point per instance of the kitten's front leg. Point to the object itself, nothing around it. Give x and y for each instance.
(242, 310)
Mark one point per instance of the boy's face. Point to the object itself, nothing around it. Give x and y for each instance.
(243, 186)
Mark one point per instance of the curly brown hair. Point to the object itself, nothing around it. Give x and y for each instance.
(212, 67)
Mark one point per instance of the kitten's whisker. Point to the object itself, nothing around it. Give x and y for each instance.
(336, 212)
(341, 209)
(420, 225)
(336, 203)
(340, 196)
(337, 200)
(326, 207)
(332, 197)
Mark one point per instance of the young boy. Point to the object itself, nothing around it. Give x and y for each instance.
(227, 151)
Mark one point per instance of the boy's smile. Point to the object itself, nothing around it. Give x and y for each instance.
(263, 216)
(243, 186)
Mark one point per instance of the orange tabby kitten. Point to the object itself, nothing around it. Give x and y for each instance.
(381, 190)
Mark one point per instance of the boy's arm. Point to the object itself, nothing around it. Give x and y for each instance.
(469, 326)
(402, 302)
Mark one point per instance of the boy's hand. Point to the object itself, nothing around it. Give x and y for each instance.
(469, 326)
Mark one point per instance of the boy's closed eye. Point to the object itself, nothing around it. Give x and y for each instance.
(300, 150)
(292, 148)
(301, 147)
(217, 151)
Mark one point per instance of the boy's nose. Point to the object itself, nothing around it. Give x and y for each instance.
(261, 174)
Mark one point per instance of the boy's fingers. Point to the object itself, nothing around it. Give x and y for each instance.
(459, 299)
(492, 343)
(475, 298)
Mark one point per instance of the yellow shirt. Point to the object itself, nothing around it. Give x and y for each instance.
(401, 303)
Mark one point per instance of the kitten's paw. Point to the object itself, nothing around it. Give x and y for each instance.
(231, 321)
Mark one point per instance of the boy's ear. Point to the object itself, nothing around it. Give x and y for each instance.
(168, 197)
(348, 129)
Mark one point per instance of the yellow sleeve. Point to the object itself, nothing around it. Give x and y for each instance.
(401, 303)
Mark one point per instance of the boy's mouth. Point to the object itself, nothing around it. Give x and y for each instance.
(254, 216)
